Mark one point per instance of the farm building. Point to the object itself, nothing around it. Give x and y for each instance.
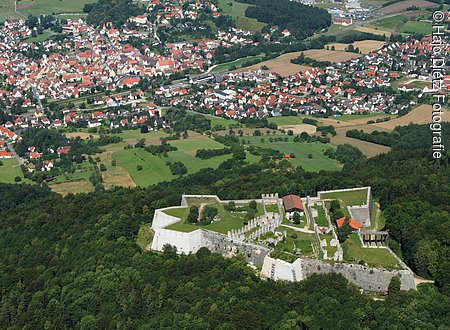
(292, 204)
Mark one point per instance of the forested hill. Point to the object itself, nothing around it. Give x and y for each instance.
(73, 262)
(302, 21)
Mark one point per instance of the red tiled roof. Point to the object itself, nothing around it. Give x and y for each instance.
(352, 222)
(292, 202)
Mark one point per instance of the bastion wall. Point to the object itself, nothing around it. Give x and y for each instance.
(367, 278)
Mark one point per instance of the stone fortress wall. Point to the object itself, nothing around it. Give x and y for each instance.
(191, 242)
(367, 278)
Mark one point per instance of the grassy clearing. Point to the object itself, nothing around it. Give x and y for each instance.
(9, 170)
(390, 24)
(114, 176)
(39, 7)
(235, 64)
(136, 134)
(287, 120)
(227, 220)
(154, 168)
(417, 27)
(7, 10)
(40, 38)
(237, 11)
(354, 252)
(72, 187)
(216, 121)
(301, 150)
(145, 236)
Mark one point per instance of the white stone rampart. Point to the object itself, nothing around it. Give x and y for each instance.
(367, 278)
(184, 242)
(161, 219)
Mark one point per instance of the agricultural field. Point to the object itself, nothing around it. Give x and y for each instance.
(298, 129)
(115, 175)
(389, 24)
(281, 65)
(301, 150)
(287, 120)
(365, 46)
(237, 11)
(333, 56)
(367, 29)
(403, 5)
(77, 182)
(219, 121)
(342, 124)
(228, 220)
(419, 115)
(39, 7)
(367, 148)
(9, 170)
(7, 10)
(72, 187)
(234, 64)
(154, 168)
(417, 27)
(355, 253)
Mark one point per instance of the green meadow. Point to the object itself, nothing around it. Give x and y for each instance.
(235, 64)
(301, 150)
(417, 27)
(9, 170)
(237, 11)
(39, 7)
(154, 168)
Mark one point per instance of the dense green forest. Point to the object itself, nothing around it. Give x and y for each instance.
(302, 21)
(114, 11)
(73, 262)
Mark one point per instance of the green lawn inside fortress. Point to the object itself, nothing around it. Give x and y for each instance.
(228, 220)
(355, 253)
(296, 244)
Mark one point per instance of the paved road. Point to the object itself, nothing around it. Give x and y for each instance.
(36, 96)
(16, 156)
